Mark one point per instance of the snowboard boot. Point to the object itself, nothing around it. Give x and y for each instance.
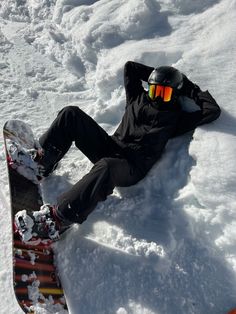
(47, 160)
(36, 163)
(43, 224)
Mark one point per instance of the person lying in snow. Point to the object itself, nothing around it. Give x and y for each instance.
(151, 118)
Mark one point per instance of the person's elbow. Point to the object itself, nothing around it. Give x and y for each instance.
(217, 112)
(212, 114)
(128, 65)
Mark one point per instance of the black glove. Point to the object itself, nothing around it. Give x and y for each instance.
(189, 89)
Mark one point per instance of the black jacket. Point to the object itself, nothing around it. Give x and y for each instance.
(147, 126)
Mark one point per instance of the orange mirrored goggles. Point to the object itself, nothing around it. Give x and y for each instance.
(165, 92)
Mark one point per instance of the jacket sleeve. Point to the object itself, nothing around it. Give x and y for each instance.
(134, 74)
(209, 109)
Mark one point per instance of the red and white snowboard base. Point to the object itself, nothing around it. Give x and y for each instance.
(36, 283)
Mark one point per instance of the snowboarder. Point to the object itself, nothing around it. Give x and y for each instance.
(151, 118)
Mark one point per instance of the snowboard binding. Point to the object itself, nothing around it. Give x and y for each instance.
(38, 225)
(35, 163)
(24, 161)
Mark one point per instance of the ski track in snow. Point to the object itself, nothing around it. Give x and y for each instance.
(166, 245)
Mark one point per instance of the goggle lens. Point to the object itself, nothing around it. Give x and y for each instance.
(165, 92)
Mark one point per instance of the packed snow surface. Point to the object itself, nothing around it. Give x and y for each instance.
(168, 244)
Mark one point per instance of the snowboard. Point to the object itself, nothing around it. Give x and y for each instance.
(35, 277)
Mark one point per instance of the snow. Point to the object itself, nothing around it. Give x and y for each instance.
(166, 245)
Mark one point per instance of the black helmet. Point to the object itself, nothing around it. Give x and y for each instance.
(163, 82)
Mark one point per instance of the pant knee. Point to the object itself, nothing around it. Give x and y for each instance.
(120, 172)
(70, 110)
(101, 169)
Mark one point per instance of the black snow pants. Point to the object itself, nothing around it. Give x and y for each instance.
(111, 167)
